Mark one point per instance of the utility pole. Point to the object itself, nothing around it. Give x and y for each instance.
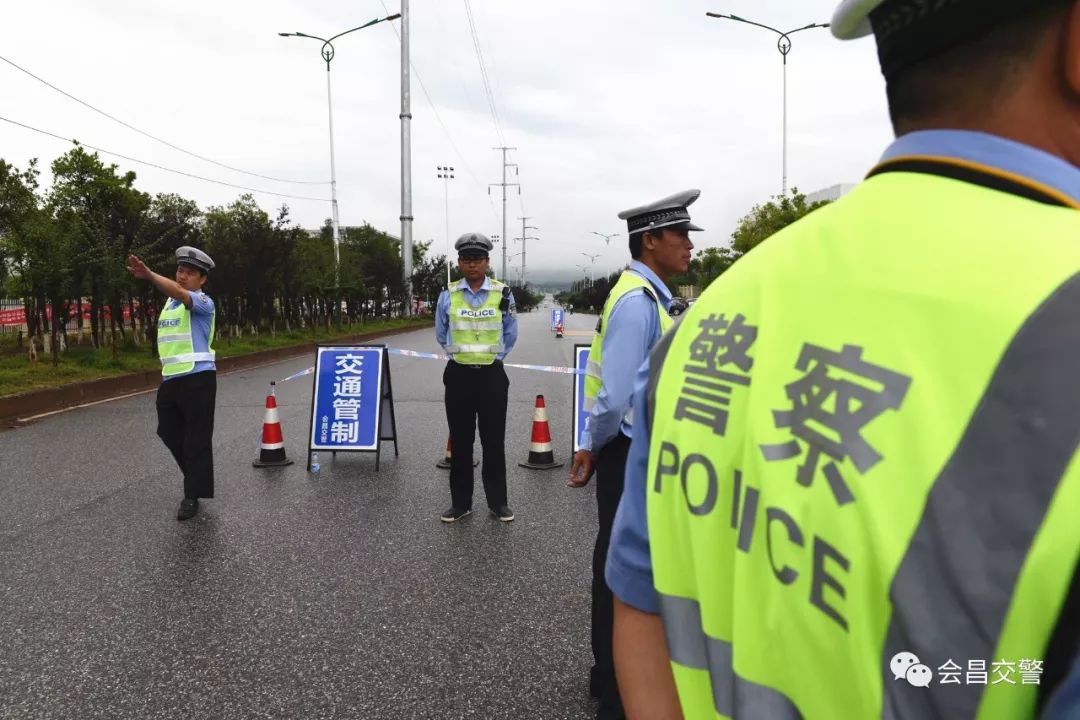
(525, 237)
(406, 159)
(504, 185)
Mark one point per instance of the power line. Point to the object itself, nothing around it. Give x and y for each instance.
(483, 72)
(446, 131)
(152, 137)
(161, 167)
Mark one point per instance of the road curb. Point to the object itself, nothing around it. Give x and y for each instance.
(36, 402)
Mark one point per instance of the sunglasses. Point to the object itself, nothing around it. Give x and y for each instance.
(470, 260)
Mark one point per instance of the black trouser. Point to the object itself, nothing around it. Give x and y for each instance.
(185, 410)
(610, 467)
(476, 394)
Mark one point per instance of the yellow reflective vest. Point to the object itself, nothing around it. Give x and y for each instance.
(475, 333)
(628, 282)
(176, 349)
(863, 476)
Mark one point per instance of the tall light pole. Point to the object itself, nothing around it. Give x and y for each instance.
(783, 44)
(327, 52)
(520, 267)
(607, 238)
(584, 273)
(592, 262)
(446, 173)
(406, 159)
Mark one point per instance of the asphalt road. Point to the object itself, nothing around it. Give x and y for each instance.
(289, 596)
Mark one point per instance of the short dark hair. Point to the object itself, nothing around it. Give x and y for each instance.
(637, 241)
(972, 76)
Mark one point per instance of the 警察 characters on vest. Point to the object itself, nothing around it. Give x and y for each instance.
(852, 486)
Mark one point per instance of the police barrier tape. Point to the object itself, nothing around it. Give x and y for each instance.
(436, 356)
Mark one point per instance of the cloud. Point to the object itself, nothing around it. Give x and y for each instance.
(609, 105)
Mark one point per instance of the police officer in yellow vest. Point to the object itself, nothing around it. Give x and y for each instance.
(476, 324)
(633, 319)
(853, 485)
(185, 399)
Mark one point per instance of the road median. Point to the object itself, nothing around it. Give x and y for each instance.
(16, 409)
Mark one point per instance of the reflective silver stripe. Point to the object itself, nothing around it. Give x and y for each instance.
(179, 337)
(628, 418)
(588, 403)
(475, 348)
(476, 325)
(955, 583)
(592, 369)
(188, 357)
(733, 696)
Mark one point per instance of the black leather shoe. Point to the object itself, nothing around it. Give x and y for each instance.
(503, 512)
(188, 508)
(454, 514)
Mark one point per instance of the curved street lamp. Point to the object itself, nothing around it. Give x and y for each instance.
(327, 52)
(607, 238)
(783, 44)
(592, 262)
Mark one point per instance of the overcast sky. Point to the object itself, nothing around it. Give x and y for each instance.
(610, 104)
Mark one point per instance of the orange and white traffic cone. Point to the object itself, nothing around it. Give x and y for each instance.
(445, 462)
(540, 455)
(272, 449)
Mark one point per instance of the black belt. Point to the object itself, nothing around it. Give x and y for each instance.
(477, 367)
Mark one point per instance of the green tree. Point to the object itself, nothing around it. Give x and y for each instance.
(97, 215)
(765, 220)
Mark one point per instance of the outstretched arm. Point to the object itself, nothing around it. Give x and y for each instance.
(166, 285)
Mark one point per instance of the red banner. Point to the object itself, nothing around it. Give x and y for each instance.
(18, 317)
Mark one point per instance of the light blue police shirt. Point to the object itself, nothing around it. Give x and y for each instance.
(633, 328)
(202, 312)
(476, 299)
(629, 567)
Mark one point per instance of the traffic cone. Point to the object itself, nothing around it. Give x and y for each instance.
(445, 462)
(540, 455)
(272, 449)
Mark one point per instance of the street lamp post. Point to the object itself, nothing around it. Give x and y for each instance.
(783, 44)
(592, 262)
(327, 53)
(607, 238)
(446, 173)
(520, 267)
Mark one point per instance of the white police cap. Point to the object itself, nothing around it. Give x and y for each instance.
(852, 18)
(667, 212)
(473, 244)
(194, 257)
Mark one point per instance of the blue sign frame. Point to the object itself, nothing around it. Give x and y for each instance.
(558, 315)
(352, 400)
(581, 361)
